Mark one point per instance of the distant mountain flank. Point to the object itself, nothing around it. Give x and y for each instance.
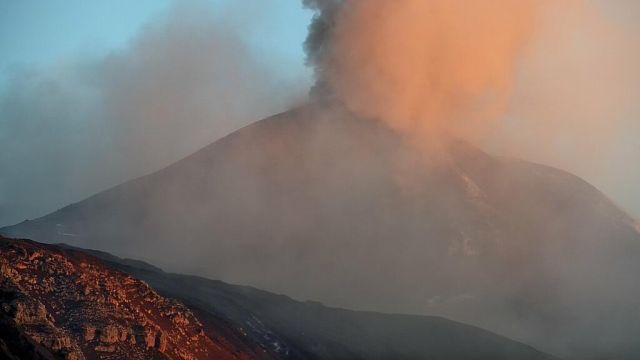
(317, 203)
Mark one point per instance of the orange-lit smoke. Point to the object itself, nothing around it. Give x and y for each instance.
(575, 104)
(555, 82)
(427, 67)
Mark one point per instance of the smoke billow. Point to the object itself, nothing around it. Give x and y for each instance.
(424, 67)
(575, 103)
(553, 82)
(72, 129)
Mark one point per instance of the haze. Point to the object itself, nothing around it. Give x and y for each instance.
(368, 190)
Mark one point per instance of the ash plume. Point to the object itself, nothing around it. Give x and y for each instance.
(422, 67)
(552, 82)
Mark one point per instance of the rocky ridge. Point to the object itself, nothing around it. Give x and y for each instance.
(62, 304)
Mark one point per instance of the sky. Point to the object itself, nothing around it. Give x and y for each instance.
(64, 29)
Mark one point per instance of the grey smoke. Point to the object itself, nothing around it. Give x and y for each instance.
(72, 129)
(318, 39)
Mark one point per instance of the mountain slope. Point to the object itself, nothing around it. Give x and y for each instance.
(324, 205)
(63, 302)
(319, 332)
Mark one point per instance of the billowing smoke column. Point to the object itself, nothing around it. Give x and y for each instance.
(424, 67)
(555, 82)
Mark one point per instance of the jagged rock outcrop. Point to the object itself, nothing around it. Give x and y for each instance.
(58, 304)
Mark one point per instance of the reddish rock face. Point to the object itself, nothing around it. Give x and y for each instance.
(68, 305)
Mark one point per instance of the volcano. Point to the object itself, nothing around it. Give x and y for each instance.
(320, 204)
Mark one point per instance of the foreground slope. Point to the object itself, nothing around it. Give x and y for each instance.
(319, 204)
(63, 304)
(59, 302)
(310, 330)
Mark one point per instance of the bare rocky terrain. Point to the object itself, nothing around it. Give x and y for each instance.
(63, 304)
(58, 302)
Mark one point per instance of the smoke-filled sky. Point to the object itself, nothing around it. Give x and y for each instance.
(95, 93)
(550, 81)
